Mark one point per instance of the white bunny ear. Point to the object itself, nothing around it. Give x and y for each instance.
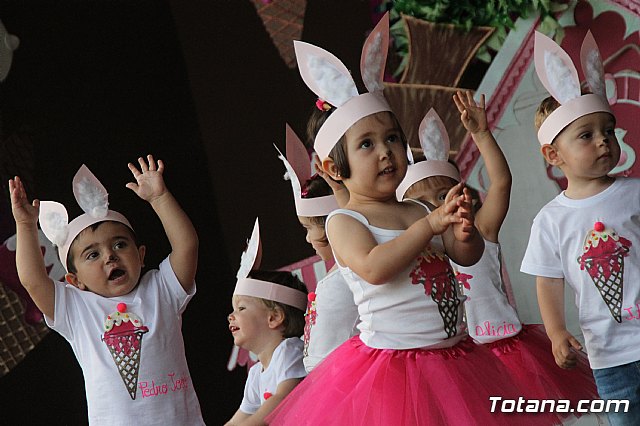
(410, 158)
(374, 56)
(434, 138)
(297, 155)
(251, 257)
(290, 174)
(324, 74)
(592, 65)
(555, 69)
(54, 222)
(91, 196)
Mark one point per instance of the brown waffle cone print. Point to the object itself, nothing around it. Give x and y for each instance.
(603, 259)
(434, 272)
(123, 336)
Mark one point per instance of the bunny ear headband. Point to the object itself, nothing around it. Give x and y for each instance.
(299, 170)
(328, 78)
(434, 141)
(560, 77)
(92, 197)
(245, 286)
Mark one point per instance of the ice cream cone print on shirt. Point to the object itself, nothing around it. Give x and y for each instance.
(603, 258)
(434, 272)
(123, 336)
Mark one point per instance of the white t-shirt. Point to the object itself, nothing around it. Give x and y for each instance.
(419, 308)
(164, 392)
(286, 363)
(331, 319)
(490, 317)
(599, 261)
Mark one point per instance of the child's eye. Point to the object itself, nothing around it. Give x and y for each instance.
(442, 196)
(92, 255)
(611, 131)
(586, 135)
(393, 138)
(120, 245)
(240, 308)
(365, 144)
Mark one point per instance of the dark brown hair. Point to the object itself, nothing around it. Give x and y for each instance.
(293, 322)
(316, 187)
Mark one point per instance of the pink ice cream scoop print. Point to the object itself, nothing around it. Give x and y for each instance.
(434, 272)
(603, 254)
(123, 337)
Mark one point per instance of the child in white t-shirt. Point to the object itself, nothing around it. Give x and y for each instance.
(268, 320)
(107, 312)
(588, 235)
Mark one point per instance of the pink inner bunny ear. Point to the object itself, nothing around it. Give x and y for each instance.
(90, 194)
(297, 156)
(592, 65)
(434, 138)
(324, 74)
(374, 56)
(555, 69)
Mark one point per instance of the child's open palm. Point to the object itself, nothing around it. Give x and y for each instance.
(23, 210)
(472, 115)
(447, 213)
(149, 181)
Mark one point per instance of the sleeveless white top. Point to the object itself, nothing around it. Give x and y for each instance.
(490, 317)
(420, 308)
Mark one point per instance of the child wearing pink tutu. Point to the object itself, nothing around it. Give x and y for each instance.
(412, 363)
(524, 349)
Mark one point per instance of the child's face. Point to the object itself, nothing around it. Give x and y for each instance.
(433, 189)
(249, 321)
(588, 148)
(106, 260)
(317, 238)
(377, 157)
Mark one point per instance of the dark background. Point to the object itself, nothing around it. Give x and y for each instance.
(197, 83)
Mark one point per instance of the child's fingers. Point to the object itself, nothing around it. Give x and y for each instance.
(458, 102)
(470, 100)
(134, 170)
(482, 101)
(575, 343)
(132, 186)
(160, 166)
(143, 165)
(152, 164)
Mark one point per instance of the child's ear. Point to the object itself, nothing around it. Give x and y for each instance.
(550, 154)
(142, 250)
(276, 317)
(330, 167)
(72, 279)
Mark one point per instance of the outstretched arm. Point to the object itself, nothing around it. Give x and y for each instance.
(257, 419)
(551, 303)
(182, 235)
(29, 261)
(494, 209)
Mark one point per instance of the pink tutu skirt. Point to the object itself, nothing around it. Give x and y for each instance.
(358, 385)
(529, 360)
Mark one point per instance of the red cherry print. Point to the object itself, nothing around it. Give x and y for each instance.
(598, 226)
(311, 297)
(122, 307)
(267, 395)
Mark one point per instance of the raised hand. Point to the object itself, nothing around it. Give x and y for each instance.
(472, 115)
(23, 211)
(149, 181)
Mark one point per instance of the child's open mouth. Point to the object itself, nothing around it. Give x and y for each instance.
(233, 328)
(115, 274)
(387, 171)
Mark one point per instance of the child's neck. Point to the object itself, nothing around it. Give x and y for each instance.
(268, 347)
(578, 189)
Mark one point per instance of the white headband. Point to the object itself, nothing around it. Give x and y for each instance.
(435, 144)
(298, 167)
(328, 78)
(246, 286)
(92, 197)
(560, 77)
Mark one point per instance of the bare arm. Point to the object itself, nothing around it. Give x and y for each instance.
(462, 242)
(180, 231)
(551, 303)
(355, 247)
(29, 260)
(490, 217)
(257, 419)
